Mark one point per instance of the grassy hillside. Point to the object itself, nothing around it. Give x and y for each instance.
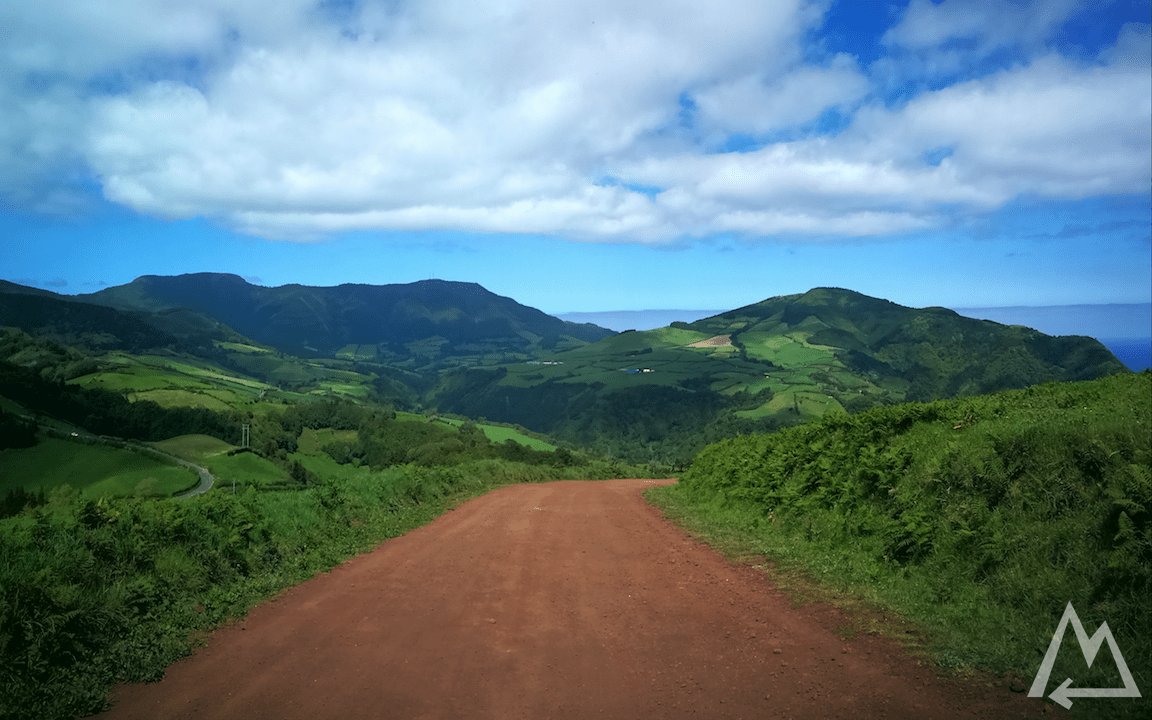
(196, 449)
(659, 394)
(654, 396)
(91, 470)
(980, 518)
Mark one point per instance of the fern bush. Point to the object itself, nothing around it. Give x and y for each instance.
(981, 516)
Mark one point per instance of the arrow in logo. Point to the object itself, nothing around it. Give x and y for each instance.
(1089, 646)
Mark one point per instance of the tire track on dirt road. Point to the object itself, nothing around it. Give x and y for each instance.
(555, 600)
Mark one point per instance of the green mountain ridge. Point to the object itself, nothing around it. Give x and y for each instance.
(322, 321)
(650, 395)
(774, 363)
(937, 351)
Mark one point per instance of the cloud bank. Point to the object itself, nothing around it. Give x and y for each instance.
(648, 122)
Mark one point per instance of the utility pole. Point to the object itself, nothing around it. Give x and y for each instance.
(245, 435)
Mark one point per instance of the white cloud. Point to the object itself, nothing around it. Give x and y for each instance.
(980, 26)
(1053, 128)
(289, 123)
(755, 105)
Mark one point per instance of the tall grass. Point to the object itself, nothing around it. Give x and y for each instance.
(980, 518)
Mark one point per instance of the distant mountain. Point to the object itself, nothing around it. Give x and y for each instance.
(44, 313)
(773, 363)
(8, 288)
(936, 351)
(455, 318)
(621, 320)
(1103, 322)
(655, 394)
(72, 321)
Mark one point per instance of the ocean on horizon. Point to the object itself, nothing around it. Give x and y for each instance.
(1135, 353)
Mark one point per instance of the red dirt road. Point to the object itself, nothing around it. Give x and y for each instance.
(559, 600)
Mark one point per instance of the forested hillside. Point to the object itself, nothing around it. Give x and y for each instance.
(663, 394)
(434, 346)
(457, 318)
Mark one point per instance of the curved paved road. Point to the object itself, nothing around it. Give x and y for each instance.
(559, 600)
(206, 478)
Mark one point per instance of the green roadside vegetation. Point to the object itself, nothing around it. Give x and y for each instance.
(978, 519)
(102, 580)
(95, 592)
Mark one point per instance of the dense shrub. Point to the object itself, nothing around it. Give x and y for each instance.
(992, 512)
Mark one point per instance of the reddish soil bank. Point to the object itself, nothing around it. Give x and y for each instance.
(560, 600)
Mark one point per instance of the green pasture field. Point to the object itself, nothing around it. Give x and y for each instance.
(130, 379)
(353, 351)
(242, 348)
(286, 372)
(311, 441)
(677, 337)
(343, 389)
(95, 470)
(525, 375)
(501, 434)
(805, 374)
(172, 382)
(245, 469)
(495, 433)
(357, 352)
(183, 381)
(498, 434)
(170, 398)
(193, 448)
(722, 351)
(262, 365)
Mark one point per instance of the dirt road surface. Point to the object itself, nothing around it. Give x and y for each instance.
(559, 600)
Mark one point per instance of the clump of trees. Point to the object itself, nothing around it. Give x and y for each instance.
(15, 432)
(103, 412)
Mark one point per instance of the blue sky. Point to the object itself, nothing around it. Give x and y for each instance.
(591, 156)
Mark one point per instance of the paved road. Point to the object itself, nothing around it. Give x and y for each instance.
(559, 600)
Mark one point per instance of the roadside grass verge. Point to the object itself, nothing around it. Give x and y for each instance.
(731, 531)
(979, 519)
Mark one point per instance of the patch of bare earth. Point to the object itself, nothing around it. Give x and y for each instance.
(558, 600)
(714, 341)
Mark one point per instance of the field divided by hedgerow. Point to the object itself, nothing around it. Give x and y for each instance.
(90, 470)
(979, 518)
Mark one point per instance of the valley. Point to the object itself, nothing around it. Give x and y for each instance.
(343, 417)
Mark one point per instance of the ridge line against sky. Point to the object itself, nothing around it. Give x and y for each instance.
(1112, 321)
(594, 155)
